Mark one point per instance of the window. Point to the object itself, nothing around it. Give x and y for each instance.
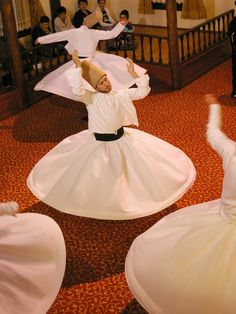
(22, 15)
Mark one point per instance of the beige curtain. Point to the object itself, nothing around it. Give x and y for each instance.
(194, 9)
(22, 14)
(145, 7)
(36, 11)
(27, 14)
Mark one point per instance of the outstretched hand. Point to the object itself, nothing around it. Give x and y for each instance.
(211, 99)
(76, 59)
(130, 68)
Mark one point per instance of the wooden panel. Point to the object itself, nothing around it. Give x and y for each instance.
(9, 27)
(199, 65)
(54, 5)
(159, 72)
(10, 103)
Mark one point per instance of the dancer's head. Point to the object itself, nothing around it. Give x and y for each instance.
(104, 85)
(92, 19)
(96, 77)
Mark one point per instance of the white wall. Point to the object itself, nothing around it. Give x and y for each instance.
(46, 7)
(158, 18)
(222, 6)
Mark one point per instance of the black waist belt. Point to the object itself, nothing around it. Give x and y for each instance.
(106, 137)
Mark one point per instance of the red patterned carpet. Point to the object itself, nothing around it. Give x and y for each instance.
(94, 281)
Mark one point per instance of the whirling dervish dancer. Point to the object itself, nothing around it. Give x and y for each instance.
(32, 261)
(85, 41)
(185, 263)
(108, 171)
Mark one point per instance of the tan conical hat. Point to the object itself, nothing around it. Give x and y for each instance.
(91, 73)
(92, 19)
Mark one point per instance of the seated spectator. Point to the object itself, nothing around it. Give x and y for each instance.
(81, 13)
(125, 40)
(107, 21)
(39, 30)
(62, 21)
(124, 16)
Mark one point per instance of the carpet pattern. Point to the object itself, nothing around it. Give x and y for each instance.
(94, 281)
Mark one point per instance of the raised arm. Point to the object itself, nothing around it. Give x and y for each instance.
(74, 78)
(104, 35)
(142, 82)
(216, 138)
(55, 37)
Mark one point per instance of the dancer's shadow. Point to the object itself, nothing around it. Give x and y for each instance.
(96, 249)
(133, 308)
(158, 86)
(50, 120)
(227, 100)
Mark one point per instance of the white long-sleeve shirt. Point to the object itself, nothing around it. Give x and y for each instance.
(62, 26)
(83, 39)
(226, 148)
(108, 112)
(108, 12)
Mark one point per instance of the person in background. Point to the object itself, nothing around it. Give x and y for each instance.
(107, 21)
(42, 29)
(124, 16)
(124, 41)
(62, 21)
(81, 13)
(232, 34)
(32, 260)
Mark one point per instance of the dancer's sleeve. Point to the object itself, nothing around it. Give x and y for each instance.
(74, 79)
(142, 89)
(103, 35)
(217, 139)
(55, 37)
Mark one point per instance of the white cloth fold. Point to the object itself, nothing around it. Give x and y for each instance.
(185, 263)
(32, 263)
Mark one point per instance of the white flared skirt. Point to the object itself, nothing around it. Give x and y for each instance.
(134, 176)
(115, 67)
(185, 263)
(32, 263)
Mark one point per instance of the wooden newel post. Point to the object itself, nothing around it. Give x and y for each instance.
(10, 33)
(173, 43)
